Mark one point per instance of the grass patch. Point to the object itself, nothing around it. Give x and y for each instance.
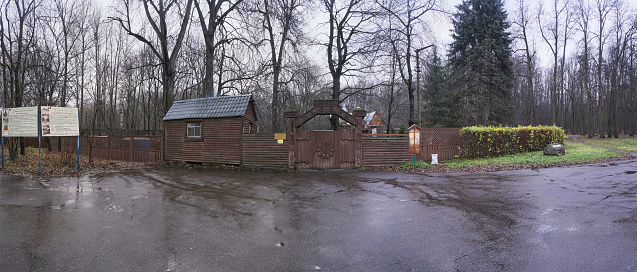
(413, 165)
(575, 153)
(627, 144)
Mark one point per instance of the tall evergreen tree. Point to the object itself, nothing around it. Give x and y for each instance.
(438, 111)
(481, 68)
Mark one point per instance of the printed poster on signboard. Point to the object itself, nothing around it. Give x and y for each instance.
(20, 122)
(5, 120)
(59, 121)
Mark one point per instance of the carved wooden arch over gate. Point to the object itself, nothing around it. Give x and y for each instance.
(328, 146)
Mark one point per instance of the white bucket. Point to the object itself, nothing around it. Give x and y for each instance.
(434, 158)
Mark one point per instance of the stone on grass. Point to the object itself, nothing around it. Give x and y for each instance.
(554, 150)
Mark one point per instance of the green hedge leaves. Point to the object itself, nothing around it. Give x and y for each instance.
(484, 142)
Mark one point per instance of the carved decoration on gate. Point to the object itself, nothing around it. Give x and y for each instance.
(325, 150)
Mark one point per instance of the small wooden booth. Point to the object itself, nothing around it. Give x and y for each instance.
(209, 130)
(414, 140)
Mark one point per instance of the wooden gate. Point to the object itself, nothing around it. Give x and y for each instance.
(325, 149)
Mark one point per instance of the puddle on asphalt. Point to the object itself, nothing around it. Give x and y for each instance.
(546, 229)
(547, 211)
(73, 189)
(115, 208)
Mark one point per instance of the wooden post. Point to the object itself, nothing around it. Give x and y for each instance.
(291, 115)
(132, 151)
(162, 143)
(358, 137)
(108, 146)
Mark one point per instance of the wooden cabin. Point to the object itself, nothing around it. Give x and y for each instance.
(372, 123)
(209, 130)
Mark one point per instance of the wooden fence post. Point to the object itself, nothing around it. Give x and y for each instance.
(108, 146)
(161, 150)
(132, 150)
(358, 137)
(291, 115)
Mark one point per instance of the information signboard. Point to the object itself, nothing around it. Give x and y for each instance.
(414, 139)
(20, 122)
(59, 121)
(53, 121)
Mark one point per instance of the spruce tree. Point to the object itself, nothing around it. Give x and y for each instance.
(481, 69)
(438, 111)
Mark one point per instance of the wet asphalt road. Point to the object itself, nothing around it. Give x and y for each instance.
(580, 218)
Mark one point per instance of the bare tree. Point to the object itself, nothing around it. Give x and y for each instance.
(347, 40)
(408, 15)
(391, 97)
(67, 35)
(158, 15)
(18, 26)
(522, 21)
(281, 20)
(583, 24)
(561, 23)
(215, 37)
(624, 31)
(84, 56)
(603, 10)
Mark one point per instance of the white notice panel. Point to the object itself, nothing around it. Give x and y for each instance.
(60, 121)
(20, 122)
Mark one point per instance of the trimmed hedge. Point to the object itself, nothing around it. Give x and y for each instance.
(484, 142)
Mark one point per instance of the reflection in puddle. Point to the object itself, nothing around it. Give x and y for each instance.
(546, 229)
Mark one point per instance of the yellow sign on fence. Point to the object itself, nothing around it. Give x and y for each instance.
(279, 137)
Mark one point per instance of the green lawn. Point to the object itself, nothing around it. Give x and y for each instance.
(628, 143)
(575, 152)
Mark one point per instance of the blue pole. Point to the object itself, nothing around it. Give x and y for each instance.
(78, 152)
(78, 140)
(40, 140)
(2, 137)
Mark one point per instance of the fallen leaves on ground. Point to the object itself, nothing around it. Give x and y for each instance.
(55, 164)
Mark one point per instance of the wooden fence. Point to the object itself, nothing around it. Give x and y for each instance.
(442, 141)
(142, 149)
(388, 149)
(262, 150)
(385, 149)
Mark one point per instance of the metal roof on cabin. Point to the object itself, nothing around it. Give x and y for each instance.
(209, 107)
(368, 117)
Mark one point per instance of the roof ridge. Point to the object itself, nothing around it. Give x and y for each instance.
(209, 107)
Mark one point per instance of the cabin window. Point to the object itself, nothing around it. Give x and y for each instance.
(193, 129)
(249, 128)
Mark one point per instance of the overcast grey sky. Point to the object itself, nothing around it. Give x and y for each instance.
(442, 27)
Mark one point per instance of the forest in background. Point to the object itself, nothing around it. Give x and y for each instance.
(123, 65)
